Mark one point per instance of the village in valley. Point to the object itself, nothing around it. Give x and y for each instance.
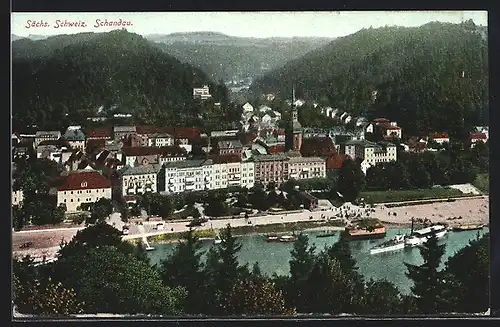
(117, 165)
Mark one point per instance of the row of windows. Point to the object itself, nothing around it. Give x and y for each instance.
(85, 191)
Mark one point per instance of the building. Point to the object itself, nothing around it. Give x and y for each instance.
(41, 136)
(271, 168)
(17, 197)
(296, 128)
(187, 175)
(123, 132)
(139, 180)
(229, 147)
(440, 137)
(82, 187)
(306, 167)
(52, 150)
(321, 146)
(477, 137)
(247, 107)
(370, 153)
(99, 134)
(75, 138)
(201, 92)
(146, 155)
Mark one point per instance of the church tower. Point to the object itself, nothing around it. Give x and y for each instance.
(296, 127)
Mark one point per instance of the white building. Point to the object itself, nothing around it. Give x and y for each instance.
(17, 197)
(201, 92)
(306, 167)
(41, 136)
(371, 153)
(160, 140)
(181, 176)
(247, 107)
(82, 187)
(139, 180)
(75, 138)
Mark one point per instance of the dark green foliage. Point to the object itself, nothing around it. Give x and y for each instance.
(427, 278)
(183, 268)
(351, 180)
(417, 73)
(467, 278)
(108, 280)
(115, 68)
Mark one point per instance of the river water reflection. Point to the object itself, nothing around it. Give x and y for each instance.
(274, 257)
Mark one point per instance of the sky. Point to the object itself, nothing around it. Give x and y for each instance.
(244, 24)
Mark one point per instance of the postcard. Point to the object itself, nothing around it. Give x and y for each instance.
(246, 164)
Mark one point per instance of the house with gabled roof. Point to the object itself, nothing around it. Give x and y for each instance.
(80, 187)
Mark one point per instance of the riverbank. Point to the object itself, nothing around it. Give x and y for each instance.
(250, 230)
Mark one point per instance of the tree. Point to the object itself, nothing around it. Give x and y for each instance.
(100, 210)
(467, 278)
(183, 268)
(110, 281)
(256, 297)
(222, 270)
(351, 180)
(427, 279)
(46, 298)
(382, 297)
(99, 235)
(216, 206)
(301, 263)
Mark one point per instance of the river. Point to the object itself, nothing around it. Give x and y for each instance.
(274, 257)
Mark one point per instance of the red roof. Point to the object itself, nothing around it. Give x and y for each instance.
(439, 135)
(150, 129)
(246, 138)
(478, 136)
(381, 120)
(135, 151)
(99, 134)
(335, 161)
(275, 149)
(317, 147)
(281, 132)
(390, 127)
(84, 181)
(189, 133)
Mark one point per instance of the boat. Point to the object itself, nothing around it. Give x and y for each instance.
(288, 238)
(327, 234)
(217, 240)
(356, 233)
(272, 238)
(396, 243)
(464, 228)
(421, 236)
(150, 248)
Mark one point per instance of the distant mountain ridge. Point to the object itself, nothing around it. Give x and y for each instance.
(225, 57)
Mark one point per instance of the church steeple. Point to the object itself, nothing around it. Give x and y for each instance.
(295, 114)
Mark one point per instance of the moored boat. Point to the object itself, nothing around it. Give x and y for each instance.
(288, 238)
(396, 243)
(217, 240)
(327, 234)
(356, 233)
(421, 236)
(463, 228)
(272, 238)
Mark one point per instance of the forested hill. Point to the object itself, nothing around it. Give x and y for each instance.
(226, 58)
(431, 77)
(105, 69)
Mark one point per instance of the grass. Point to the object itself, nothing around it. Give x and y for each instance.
(410, 195)
(482, 182)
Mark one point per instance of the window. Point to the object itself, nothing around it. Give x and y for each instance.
(84, 184)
